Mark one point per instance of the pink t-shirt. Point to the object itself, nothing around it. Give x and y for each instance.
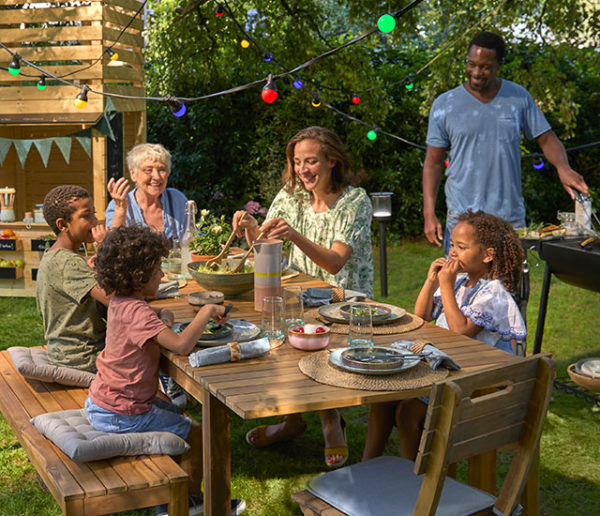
(127, 378)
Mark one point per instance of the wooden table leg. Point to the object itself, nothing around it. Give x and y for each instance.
(482, 472)
(216, 430)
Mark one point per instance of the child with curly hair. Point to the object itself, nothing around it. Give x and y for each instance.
(123, 396)
(469, 293)
(71, 303)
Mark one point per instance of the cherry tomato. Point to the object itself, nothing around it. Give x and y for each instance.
(299, 329)
(320, 329)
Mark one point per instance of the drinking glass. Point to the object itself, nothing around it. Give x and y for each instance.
(171, 265)
(271, 325)
(361, 325)
(293, 306)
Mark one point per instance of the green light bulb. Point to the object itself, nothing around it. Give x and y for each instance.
(371, 135)
(14, 67)
(386, 23)
(409, 86)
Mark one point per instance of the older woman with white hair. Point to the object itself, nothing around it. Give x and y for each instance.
(150, 203)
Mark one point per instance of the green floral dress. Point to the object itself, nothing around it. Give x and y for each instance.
(348, 221)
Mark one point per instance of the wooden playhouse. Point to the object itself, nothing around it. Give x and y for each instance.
(45, 140)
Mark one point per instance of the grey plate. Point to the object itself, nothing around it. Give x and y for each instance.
(335, 357)
(241, 332)
(589, 367)
(378, 312)
(333, 314)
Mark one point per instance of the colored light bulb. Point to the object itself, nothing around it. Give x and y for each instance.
(81, 99)
(539, 164)
(355, 98)
(245, 43)
(219, 10)
(409, 86)
(14, 68)
(41, 84)
(386, 23)
(315, 102)
(177, 108)
(269, 92)
(446, 163)
(112, 55)
(268, 57)
(371, 135)
(298, 84)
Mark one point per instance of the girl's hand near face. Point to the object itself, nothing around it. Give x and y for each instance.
(434, 269)
(448, 272)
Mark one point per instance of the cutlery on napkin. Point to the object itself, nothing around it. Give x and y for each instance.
(433, 355)
(313, 296)
(231, 352)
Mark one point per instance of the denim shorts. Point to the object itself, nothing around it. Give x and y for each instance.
(162, 417)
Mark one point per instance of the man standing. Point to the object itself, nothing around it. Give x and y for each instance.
(479, 123)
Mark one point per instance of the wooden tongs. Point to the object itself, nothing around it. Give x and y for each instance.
(210, 264)
(239, 266)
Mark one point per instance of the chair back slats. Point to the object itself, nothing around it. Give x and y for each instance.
(484, 411)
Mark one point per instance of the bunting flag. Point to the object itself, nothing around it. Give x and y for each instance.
(64, 143)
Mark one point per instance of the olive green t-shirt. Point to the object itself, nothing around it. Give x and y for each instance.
(74, 329)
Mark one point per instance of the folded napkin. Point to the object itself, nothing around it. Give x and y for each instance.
(434, 356)
(323, 296)
(231, 352)
(168, 289)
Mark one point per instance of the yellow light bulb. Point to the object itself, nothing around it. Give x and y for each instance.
(245, 43)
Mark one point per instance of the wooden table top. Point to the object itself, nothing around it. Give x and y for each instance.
(274, 385)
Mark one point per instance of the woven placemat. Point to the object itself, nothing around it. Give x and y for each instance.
(406, 323)
(317, 366)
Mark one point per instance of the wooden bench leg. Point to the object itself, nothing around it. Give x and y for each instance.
(178, 501)
(482, 472)
(530, 499)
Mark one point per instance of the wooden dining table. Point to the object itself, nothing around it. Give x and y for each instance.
(273, 385)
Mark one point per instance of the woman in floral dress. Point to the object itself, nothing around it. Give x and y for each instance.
(329, 223)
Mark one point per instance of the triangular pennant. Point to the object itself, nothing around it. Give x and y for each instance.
(109, 109)
(104, 127)
(5, 144)
(22, 147)
(86, 142)
(44, 146)
(64, 144)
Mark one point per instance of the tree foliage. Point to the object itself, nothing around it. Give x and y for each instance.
(234, 144)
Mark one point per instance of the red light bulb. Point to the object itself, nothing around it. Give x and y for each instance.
(269, 92)
(355, 98)
(446, 163)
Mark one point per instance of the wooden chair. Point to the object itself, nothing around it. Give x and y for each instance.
(466, 416)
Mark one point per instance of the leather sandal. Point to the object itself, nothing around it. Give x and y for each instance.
(337, 450)
(261, 440)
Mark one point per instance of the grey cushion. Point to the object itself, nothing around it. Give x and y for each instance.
(73, 433)
(33, 363)
(387, 485)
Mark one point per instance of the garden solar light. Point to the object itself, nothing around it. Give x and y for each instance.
(41, 84)
(269, 92)
(382, 212)
(15, 65)
(81, 99)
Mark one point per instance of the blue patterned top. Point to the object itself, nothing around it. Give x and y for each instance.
(488, 305)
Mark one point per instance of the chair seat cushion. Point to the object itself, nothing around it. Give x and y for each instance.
(33, 363)
(73, 433)
(387, 485)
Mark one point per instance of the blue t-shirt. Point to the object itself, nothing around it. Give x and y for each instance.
(484, 172)
(173, 206)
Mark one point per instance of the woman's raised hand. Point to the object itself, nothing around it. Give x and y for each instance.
(118, 190)
(278, 228)
(243, 220)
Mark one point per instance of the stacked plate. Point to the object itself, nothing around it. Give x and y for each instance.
(378, 360)
(381, 313)
(586, 373)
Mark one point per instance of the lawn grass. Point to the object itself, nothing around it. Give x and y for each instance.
(570, 452)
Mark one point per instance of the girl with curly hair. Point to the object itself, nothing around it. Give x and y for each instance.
(468, 293)
(123, 396)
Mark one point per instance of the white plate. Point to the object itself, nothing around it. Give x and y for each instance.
(589, 367)
(335, 357)
(242, 331)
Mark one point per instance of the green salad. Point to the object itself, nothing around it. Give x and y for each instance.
(227, 269)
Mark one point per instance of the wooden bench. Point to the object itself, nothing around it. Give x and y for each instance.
(98, 487)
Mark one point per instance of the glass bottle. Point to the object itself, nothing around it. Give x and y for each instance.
(189, 234)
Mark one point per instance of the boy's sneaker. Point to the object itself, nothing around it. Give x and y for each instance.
(196, 504)
(175, 393)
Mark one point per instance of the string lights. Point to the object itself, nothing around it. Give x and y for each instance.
(112, 54)
(177, 107)
(81, 99)
(386, 23)
(41, 84)
(269, 91)
(14, 67)
(355, 98)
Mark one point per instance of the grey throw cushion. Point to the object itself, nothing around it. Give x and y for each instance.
(33, 363)
(73, 433)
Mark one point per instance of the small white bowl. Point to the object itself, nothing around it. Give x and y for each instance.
(213, 297)
(310, 340)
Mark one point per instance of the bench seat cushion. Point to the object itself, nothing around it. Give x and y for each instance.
(33, 363)
(73, 433)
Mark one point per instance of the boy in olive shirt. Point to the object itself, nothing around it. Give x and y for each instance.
(68, 296)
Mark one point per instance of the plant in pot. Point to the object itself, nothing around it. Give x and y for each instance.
(211, 233)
